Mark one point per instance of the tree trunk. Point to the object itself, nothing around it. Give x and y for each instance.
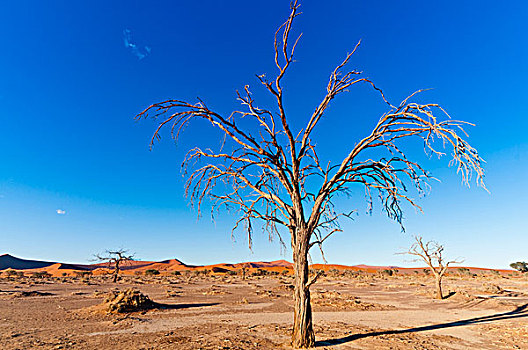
(116, 271)
(303, 334)
(439, 294)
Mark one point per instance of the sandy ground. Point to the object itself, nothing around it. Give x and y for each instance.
(221, 312)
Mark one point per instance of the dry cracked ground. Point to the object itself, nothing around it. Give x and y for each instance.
(365, 311)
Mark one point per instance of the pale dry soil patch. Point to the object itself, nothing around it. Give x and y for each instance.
(220, 312)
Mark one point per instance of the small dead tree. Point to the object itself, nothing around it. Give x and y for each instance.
(431, 253)
(245, 268)
(115, 259)
(270, 171)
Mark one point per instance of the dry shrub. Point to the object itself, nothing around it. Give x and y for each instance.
(214, 290)
(343, 301)
(413, 283)
(391, 287)
(98, 293)
(288, 287)
(493, 289)
(129, 300)
(459, 294)
(174, 293)
(267, 293)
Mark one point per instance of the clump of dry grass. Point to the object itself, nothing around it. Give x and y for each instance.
(214, 290)
(324, 298)
(267, 293)
(129, 300)
(492, 288)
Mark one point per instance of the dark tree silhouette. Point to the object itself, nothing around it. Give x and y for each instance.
(270, 171)
(115, 259)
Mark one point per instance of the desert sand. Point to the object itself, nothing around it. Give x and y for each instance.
(200, 310)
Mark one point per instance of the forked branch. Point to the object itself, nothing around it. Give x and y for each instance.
(266, 173)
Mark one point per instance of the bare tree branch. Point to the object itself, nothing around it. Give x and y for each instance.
(115, 258)
(431, 253)
(270, 171)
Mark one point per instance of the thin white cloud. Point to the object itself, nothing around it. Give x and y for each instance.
(139, 52)
(61, 212)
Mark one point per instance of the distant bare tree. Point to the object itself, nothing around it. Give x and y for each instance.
(269, 171)
(115, 259)
(431, 253)
(245, 268)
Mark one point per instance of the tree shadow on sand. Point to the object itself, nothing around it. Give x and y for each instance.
(24, 293)
(182, 306)
(521, 311)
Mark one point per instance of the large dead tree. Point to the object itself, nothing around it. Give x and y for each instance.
(270, 171)
(115, 259)
(431, 253)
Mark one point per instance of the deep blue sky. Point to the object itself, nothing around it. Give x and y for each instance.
(69, 89)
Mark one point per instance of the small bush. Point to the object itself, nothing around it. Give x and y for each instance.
(319, 272)
(176, 273)
(151, 272)
(350, 273)
(217, 269)
(520, 266)
(204, 272)
(333, 272)
(259, 272)
(463, 271)
(11, 273)
(42, 274)
(83, 274)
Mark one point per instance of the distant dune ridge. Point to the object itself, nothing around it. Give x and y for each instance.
(10, 262)
(58, 269)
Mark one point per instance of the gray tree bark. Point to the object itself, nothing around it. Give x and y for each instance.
(439, 294)
(303, 334)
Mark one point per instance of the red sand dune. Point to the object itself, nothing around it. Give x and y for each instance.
(130, 267)
(166, 265)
